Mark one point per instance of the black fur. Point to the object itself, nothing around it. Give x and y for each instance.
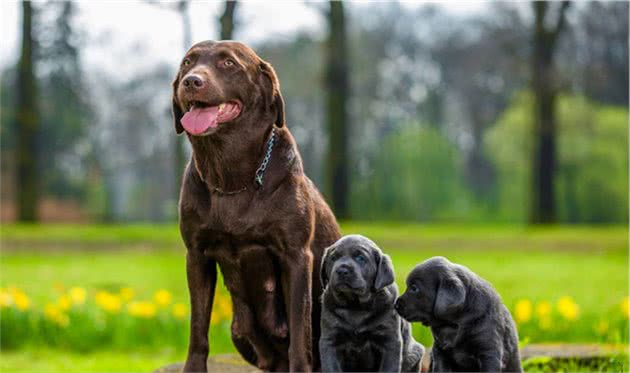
(472, 329)
(361, 331)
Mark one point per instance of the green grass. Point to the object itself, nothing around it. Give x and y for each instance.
(47, 360)
(590, 264)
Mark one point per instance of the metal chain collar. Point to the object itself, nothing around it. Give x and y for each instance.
(260, 172)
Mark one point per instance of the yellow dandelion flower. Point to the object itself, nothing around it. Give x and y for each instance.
(523, 311)
(216, 318)
(21, 300)
(162, 298)
(145, 310)
(6, 300)
(543, 309)
(544, 323)
(53, 313)
(180, 311)
(107, 301)
(64, 303)
(126, 294)
(222, 309)
(625, 307)
(77, 295)
(602, 327)
(568, 308)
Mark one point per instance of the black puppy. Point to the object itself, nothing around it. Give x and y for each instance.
(361, 331)
(472, 329)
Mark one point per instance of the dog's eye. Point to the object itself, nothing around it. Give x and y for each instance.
(186, 62)
(359, 258)
(413, 288)
(228, 62)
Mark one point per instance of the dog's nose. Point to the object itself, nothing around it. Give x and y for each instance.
(397, 305)
(193, 82)
(343, 270)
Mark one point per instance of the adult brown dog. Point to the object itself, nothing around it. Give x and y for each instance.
(246, 205)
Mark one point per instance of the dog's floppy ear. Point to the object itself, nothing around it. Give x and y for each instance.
(177, 112)
(450, 297)
(384, 271)
(323, 273)
(273, 96)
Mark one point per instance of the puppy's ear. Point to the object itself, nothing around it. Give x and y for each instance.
(450, 296)
(323, 272)
(177, 112)
(384, 271)
(273, 96)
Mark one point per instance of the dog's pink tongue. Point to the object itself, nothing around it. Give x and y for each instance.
(198, 120)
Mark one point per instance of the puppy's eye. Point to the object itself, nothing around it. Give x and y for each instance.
(186, 62)
(360, 258)
(413, 288)
(228, 63)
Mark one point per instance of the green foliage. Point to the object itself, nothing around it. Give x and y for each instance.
(592, 170)
(614, 363)
(415, 176)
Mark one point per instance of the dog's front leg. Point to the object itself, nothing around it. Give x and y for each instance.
(490, 360)
(439, 361)
(297, 285)
(328, 354)
(391, 360)
(202, 278)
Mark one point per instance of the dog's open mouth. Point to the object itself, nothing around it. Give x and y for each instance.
(202, 116)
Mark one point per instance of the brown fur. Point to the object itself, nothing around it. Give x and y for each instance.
(268, 242)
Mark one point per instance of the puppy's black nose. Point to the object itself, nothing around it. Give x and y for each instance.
(343, 270)
(397, 305)
(193, 82)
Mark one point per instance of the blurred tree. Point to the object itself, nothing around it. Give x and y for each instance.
(544, 84)
(415, 176)
(66, 110)
(180, 141)
(603, 51)
(337, 91)
(592, 166)
(227, 20)
(27, 123)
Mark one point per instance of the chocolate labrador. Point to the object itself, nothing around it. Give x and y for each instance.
(472, 330)
(361, 331)
(246, 205)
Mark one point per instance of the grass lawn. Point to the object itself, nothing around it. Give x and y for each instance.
(48, 360)
(588, 264)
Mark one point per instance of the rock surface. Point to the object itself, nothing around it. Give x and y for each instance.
(235, 364)
(216, 363)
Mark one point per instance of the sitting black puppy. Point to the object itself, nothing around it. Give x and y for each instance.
(472, 329)
(361, 331)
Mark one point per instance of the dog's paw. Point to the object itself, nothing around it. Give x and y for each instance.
(195, 364)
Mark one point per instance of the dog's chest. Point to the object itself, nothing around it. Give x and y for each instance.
(465, 360)
(235, 217)
(359, 353)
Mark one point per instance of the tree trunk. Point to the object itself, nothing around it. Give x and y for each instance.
(27, 124)
(227, 20)
(543, 208)
(337, 87)
(180, 141)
